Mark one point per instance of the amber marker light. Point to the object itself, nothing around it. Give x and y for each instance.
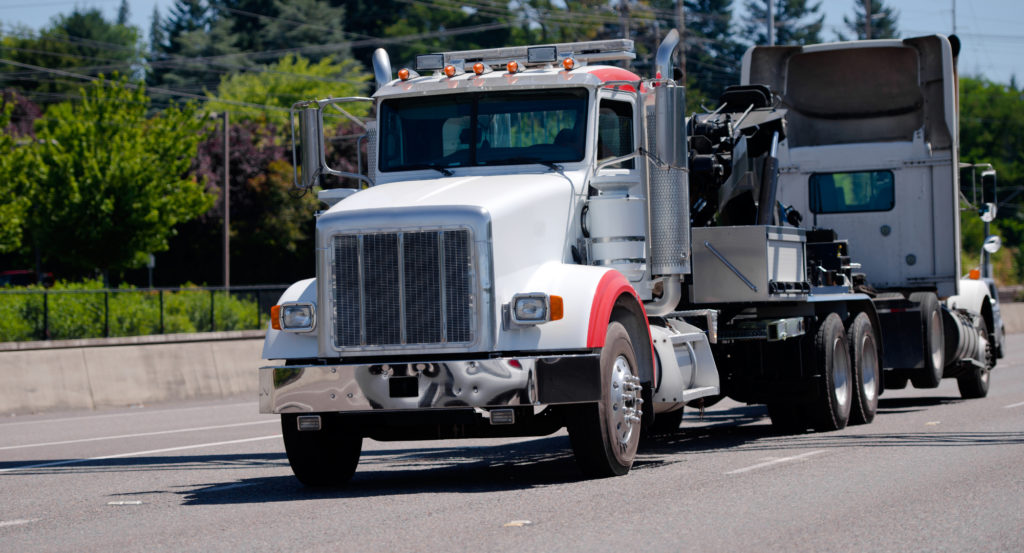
(568, 64)
(513, 67)
(557, 308)
(478, 68)
(975, 274)
(275, 317)
(449, 71)
(403, 74)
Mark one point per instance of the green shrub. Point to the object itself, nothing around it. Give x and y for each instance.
(76, 310)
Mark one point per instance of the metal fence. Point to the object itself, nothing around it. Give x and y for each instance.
(48, 314)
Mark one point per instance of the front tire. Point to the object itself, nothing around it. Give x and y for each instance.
(974, 383)
(866, 369)
(321, 458)
(605, 435)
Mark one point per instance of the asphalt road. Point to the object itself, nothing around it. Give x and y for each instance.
(932, 473)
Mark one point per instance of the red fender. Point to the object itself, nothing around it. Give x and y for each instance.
(612, 286)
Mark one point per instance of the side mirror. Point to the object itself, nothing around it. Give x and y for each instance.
(670, 114)
(988, 186)
(988, 212)
(311, 150)
(992, 244)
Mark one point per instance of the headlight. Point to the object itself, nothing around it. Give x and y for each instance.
(535, 308)
(293, 317)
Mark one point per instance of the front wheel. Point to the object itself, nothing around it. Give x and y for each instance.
(974, 383)
(320, 458)
(605, 435)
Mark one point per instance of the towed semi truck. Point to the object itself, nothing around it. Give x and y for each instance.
(543, 240)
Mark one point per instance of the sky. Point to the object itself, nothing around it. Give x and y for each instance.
(991, 31)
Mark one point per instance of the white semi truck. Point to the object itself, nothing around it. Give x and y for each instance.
(543, 240)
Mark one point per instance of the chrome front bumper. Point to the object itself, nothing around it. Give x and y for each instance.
(485, 383)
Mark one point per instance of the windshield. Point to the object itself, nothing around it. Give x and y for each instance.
(474, 129)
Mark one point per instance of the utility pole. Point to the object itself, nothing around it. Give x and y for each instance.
(771, 22)
(227, 202)
(867, 19)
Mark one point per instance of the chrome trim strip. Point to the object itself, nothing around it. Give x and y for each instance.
(482, 383)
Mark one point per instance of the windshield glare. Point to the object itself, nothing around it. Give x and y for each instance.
(473, 129)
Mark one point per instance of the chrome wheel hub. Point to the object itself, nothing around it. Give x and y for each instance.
(624, 410)
(840, 372)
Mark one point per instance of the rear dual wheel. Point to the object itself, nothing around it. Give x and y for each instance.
(867, 369)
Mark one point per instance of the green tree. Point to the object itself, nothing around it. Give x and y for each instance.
(712, 54)
(14, 173)
(292, 79)
(883, 21)
(796, 22)
(82, 42)
(114, 181)
(992, 131)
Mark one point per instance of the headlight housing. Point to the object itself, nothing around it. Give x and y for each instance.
(293, 317)
(535, 308)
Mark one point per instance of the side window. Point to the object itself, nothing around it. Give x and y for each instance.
(615, 132)
(852, 192)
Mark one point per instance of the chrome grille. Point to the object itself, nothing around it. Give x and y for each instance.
(403, 289)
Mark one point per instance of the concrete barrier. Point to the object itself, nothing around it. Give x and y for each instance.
(1013, 317)
(94, 374)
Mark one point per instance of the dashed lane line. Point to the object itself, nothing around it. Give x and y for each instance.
(776, 462)
(140, 434)
(137, 453)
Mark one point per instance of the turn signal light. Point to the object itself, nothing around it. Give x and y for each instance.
(557, 308)
(275, 317)
(403, 74)
(449, 71)
(568, 64)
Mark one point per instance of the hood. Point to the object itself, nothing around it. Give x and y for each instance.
(528, 215)
(497, 194)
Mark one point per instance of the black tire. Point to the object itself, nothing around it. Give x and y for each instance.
(666, 424)
(321, 458)
(867, 369)
(830, 410)
(787, 417)
(974, 383)
(933, 340)
(605, 435)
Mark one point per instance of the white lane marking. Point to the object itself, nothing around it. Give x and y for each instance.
(1011, 406)
(225, 487)
(141, 411)
(776, 461)
(141, 434)
(137, 453)
(19, 522)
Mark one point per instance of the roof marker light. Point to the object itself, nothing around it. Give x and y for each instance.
(449, 71)
(568, 64)
(478, 68)
(512, 66)
(403, 74)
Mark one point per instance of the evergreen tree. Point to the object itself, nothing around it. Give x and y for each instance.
(123, 13)
(712, 55)
(796, 22)
(883, 21)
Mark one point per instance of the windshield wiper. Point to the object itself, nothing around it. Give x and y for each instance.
(549, 164)
(434, 166)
